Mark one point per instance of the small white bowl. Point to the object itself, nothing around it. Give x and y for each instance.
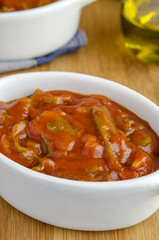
(73, 204)
(39, 31)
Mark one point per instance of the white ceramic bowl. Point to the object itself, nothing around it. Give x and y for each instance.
(35, 32)
(73, 204)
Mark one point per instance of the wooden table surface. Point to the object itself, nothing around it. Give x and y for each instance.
(105, 56)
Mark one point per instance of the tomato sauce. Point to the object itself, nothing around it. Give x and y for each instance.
(17, 5)
(77, 137)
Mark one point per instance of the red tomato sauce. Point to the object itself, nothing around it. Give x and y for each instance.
(17, 5)
(78, 137)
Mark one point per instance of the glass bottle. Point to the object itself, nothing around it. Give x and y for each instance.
(140, 27)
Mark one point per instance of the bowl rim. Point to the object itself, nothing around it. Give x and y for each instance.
(38, 10)
(7, 162)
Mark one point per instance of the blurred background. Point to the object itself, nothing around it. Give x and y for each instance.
(106, 55)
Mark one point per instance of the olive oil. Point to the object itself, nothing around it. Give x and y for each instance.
(140, 26)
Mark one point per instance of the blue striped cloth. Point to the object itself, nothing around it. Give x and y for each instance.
(78, 41)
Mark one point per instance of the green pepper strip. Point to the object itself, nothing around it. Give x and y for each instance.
(105, 126)
(146, 141)
(61, 124)
(18, 132)
(47, 146)
(56, 99)
(37, 91)
(94, 170)
(131, 129)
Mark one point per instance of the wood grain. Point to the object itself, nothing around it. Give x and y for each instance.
(105, 56)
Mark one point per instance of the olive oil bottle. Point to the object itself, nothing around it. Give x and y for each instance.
(140, 27)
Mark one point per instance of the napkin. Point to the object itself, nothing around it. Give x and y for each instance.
(78, 41)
